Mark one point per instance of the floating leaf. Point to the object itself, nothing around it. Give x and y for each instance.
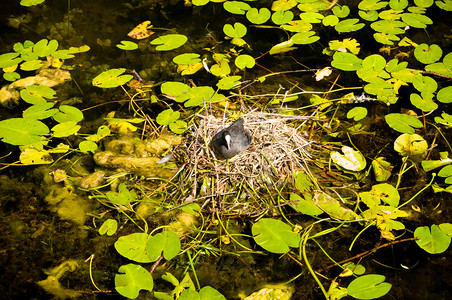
(11, 76)
(424, 101)
(445, 119)
(20, 131)
(244, 61)
(282, 47)
(445, 95)
(372, 4)
(31, 65)
(236, 7)
(32, 156)
(228, 82)
(403, 123)
(398, 4)
(256, 16)
(167, 116)
(30, 2)
(166, 242)
(351, 160)
(200, 2)
(333, 207)
(109, 227)
(40, 111)
(174, 88)
(68, 113)
(282, 17)
(87, 146)
(381, 192)
(330, 20)
(132, 279)
(410, 145)
(312, 6)
(127, 45)
(428, 54)
(236, 31)
(169, 41)
(371, 286)
(433, 239)
(283, 4)
(348, 25)
(133, 247)
(370, 16)
(187, 59)
(444, 4)
(341, 11)
(382, 169)
(423, 3)
(65, 129)
(123, 196)
(357, 113)
(274, 235)
(305, 38)
(425, 84)
(346, 61)
(45, 48)
(311, 17)
(111, 78)
(305, 206)
(37, 94)
(141, 31)
(389, 26)
(178, 127)
(416, 20)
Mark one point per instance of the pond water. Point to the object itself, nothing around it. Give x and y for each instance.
(139, 158)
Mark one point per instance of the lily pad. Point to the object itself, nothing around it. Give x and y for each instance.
(389, 26)
(305, 206)
(236, 31)
(166, 242)
(305, 38)
(371, 286)
(133, 247)
(187, 59)
(127, 45)
(282, 47)
(40, 111)
(21, 131)
(236, 7)
(109, 227)
(167, 116)
(31, 65)
(169, 41)
(45, 48)
(433, 239)
(351, 160)
(37, 94)
(244, 61)
(428, 54)
(274, 235)
(65, 129)
(68, 113)
(357, 113)
(132, 279)
(341, 11)
(424, 101)
(333, 207)
(416, 20)
(282, 17)
(228, 82)
(178, 127)
(346, 61)
(348, 25)
(30, 2)
(256, 16)
(403, 123)
(111, 78)
(410, 145)
(445, 95)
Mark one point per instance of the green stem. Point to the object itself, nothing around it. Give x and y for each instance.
(193, 269)
(412, 198)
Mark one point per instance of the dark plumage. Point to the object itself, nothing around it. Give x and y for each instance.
(232, 140)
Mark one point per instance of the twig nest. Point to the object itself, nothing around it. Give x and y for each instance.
(277, 149)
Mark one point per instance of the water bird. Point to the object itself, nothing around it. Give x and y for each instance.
(231, 140)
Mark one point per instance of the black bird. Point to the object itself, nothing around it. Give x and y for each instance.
(232, 140)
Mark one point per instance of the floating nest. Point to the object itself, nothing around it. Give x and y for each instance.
(278, 149)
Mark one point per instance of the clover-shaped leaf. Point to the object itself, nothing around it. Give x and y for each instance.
(351, 160)
(167, 117)
(258, 16)
(127, 45)
(166, 242)
(236, 7)
(111, 78)
(236, 31)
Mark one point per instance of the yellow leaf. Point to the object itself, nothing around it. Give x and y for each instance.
(10, 69)
(189, 69)
(142, 31)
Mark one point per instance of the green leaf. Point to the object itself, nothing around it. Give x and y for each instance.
(274, 235)
(111, 78)
(446, 171)
(44, 48)
(236, 7)
(200, 2)
(433, 239)
(398, 4)
(445, 95)
(65, 129)
(40, 111)
(244, 61)
(394, 66)
(305, 38)
(37, 94)
(370, 16)
(174, 88)
(133, 247)
(228, 82)
(30, 2)
(31, 65)
(166, 242)
(410, 145)
(346, 61)
(444, 4)
(403, 123)
(372, 4)
(132, 279)
(187, 59)
(32, 156)
(210, 293)
(341, 11)
(445, 120)
(282, 17)
(9, 60)
(416, 20)
(11, 76)
(169, 41)
(374, 61)
(357, 113)
(20, 131)
(391, 27)
(425, 84)
(68, 113)
(283, 4)
(371, 286)
(282, 47)
(385, 39)
(167, 116)
(109, 227)
(333, 207)
(236, 31)
(256, 16)
(311, 17)
(87, 146)
(178, 127)
(123, 196)
(330, 20)
(424, 101)
(381, 192)
(348, 25)
(127, 45)
(428, 54)
(423, 3)
(305, 206)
